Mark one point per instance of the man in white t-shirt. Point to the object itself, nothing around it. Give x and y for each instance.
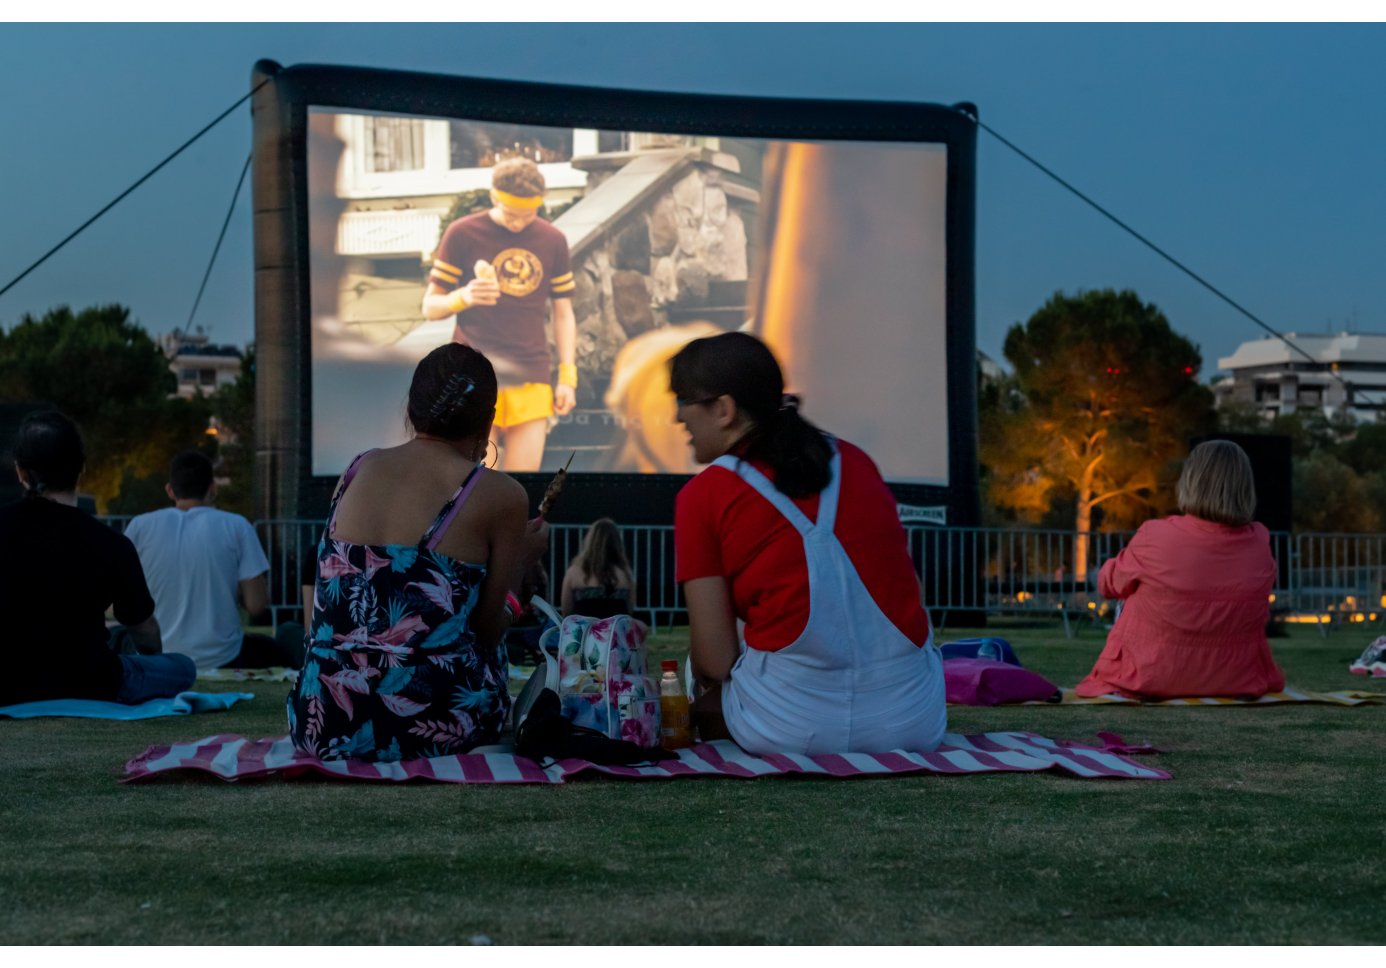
(197, 559)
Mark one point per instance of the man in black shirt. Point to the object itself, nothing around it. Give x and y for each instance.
(60, 571)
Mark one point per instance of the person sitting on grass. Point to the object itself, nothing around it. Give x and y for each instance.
(416, 573)
(1196, 592)
(793, 536)
(599, 582)
(198, 560)
(61, 570)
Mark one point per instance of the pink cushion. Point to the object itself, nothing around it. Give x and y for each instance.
(984, 682)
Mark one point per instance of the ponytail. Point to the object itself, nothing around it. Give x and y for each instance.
(798, 452)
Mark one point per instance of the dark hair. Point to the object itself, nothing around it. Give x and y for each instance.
(190, 475)
(49, 448)
(743, 368)
(603, 557)
(453, 394)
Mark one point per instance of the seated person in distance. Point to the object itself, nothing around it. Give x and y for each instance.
(198, 559)
(599, 582)
(1196, 592)
(62, 569)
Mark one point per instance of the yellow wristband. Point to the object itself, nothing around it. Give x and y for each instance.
(456, 301)
(567, 374)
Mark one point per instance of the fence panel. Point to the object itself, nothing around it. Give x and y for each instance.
(992, 570)
(1339, 576)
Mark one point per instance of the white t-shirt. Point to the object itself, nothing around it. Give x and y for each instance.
(193, 561)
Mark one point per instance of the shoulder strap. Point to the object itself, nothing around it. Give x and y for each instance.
(440, 524)
(827, 499)
(346, 480)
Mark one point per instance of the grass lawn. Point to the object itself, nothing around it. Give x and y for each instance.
(1272, 830)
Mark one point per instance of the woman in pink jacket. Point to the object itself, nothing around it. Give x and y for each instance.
(1196, 589)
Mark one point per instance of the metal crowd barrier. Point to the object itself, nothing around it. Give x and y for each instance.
(1322, 579)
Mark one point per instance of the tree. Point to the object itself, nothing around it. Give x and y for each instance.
(103, 370)
(1331, 497)
(233, 406)
(1108, 396)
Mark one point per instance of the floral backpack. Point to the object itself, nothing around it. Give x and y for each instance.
(597, 669)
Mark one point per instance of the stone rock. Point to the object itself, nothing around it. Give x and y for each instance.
(714, 206)
(690, 239)
(714, 252)
(688, 194)
(734, 248)
(693, 284)
(630, 249)
(587, 293)
(632, 302)
(664, 226)
(664, 286)
(600, 261)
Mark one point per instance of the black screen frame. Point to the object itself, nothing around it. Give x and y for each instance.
(285, 487)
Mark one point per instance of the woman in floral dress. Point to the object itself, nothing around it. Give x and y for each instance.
(421, 549)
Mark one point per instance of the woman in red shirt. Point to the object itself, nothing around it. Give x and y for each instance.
(1197, 589)
(803, 604)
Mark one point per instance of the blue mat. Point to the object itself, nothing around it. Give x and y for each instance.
(180, 705)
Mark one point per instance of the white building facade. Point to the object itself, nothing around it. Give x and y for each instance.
(1344, 372)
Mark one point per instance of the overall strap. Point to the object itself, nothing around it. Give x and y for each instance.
(440, 524)
(762, 486)
(347, 478)
(827, 498)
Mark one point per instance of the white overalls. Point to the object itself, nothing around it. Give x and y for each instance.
(852, 681)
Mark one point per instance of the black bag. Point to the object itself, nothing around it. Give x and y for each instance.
(544, 733)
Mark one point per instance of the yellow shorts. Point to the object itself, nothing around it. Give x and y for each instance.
(521, 404)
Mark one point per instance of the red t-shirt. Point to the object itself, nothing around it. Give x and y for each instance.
(532, 266)
(724, 528)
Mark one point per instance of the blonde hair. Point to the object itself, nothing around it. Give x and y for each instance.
(1217, 484)
(518, 176)
(603, 557)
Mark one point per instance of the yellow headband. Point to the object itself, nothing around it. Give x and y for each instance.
(515, 201)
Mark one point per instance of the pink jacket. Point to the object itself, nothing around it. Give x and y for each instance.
(1197, 599)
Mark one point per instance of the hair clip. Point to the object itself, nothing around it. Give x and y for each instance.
(453, 395)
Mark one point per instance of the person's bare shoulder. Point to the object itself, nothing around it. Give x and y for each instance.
(500, 490)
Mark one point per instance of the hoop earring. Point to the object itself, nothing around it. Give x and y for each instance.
(484, 453)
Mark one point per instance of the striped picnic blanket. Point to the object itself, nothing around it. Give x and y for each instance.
(237, 758)
(1286, 695)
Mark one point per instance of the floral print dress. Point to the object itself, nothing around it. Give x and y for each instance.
(392, 669)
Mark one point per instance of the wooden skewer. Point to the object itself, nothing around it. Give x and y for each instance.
(555, 487)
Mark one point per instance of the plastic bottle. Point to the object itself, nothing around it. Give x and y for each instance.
(675, 717)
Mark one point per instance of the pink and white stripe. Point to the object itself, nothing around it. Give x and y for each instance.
(236, 758)
(1289, 694)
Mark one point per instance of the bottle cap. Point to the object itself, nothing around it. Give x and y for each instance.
(669, 665)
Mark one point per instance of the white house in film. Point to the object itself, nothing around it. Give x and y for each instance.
(1336, 372)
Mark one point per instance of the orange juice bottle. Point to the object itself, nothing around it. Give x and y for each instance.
(675, 717)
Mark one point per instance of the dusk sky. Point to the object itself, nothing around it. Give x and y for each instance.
(1256, 154)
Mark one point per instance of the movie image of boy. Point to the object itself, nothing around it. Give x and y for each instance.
(498, 271)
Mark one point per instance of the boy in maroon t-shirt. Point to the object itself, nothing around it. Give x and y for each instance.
(496, 271)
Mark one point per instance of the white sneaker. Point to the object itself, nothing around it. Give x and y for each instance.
(1372, 661)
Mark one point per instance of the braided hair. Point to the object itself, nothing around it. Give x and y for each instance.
(453, 393)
